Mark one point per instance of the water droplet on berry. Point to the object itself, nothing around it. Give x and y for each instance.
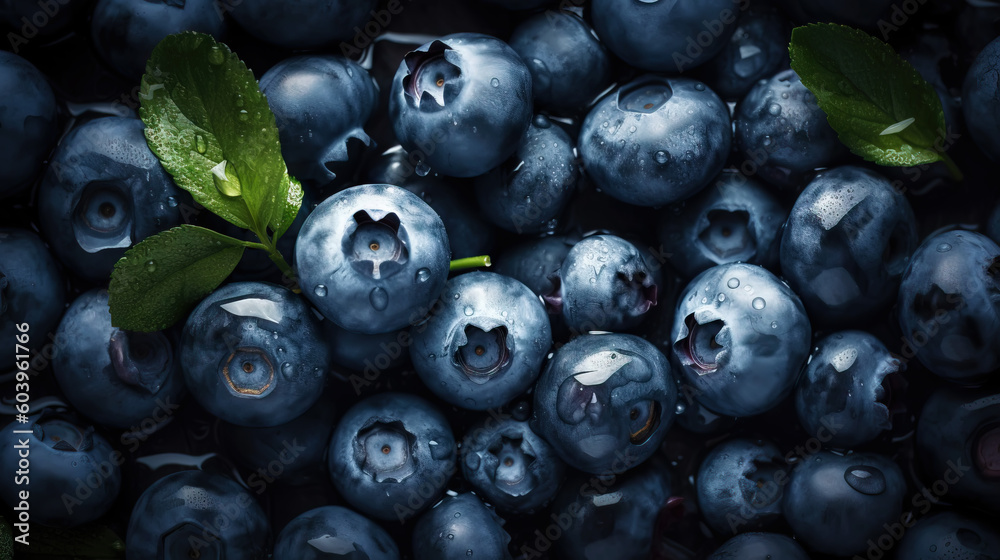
(287, 370)
(733, 283)
(320, 290)
(423, 275)
(422, 169)
(758, 303)
(171, 202)
(495, 82)
(379, 298)
(943, 248)
(468, 311)
(661, 157)
(774, 109)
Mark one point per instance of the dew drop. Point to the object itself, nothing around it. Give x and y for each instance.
(150, 266)
(721, 297)
(631, 129)
(422, 169)
(226, 180)
(379, 298)
(216, 56)
(661, 157)
(287, 370)
(774, 109)
(320, 290)
(172, 202)
(774, 324)
(495, 82)
(699, 86)
(468, 311)
(423, 275)
(733, 283)
(943, 248)
(541, 121)
(244, 115)
(199, 144)
(758, 303)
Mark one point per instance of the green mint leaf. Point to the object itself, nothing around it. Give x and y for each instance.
(162, 278)
(210, 126)
(293, 202)
(880, 106)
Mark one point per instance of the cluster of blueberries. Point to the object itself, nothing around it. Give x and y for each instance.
(709, 331)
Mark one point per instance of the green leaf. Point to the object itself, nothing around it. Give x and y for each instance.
(880, 106)
(92, 541)
(293, 202)
(210, 126)
(159, 280)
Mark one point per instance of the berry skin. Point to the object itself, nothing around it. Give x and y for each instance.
(510, 465)
(115, 377)
(462, 101)
(536, 263)
(27, 121)
(656, 140)
(740, 336)
(253, 354)
(736, 486)
(950, 534)
(388, 448)
(756, 50)
(320, 104)
(947, 308)
(605, 402)
(735, 219)
(760, 546)
(195, 514)
(303, 24)
(846, 244)
(836, 503)
(460, 527)
(846, 387)
(485, 342)
(63, 452)
(103, 192)
(330, 532)
(373, 258)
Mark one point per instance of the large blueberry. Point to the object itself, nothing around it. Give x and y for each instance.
(253, 354)
(605, 284)
(103, 192)
(760, 546)
(949, 535)
(529, 191)
(510, 465)
(462, 102)
(536, 263)
(60, 454)
(125, 32)
(949, 306)
(739, 486)
(735, 219)
(115, 377)
(320, 104)
(605, 401)
(373, 258)
(569, 66)
(845, 394)
(958, 442)
(460, 527)
(740, 337)
(333, 532)
(836, 504)
(485, 342)
(388, 449)
(656, 140)
(981, 100)
(780, 124)
(27, 122)
(305, 24)
(369, 354)
(195, 514)
(666, 35)
(846, 244)
(32, 292)
(756, 50)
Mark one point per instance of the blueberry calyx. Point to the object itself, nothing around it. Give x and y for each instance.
(641, 289)
(248, 371)
(644, 420)
(510, 461)
(102, 218)
(483, 352)
(376, 247)
(62, 435)
(865, 479)
(554, 299)
(645, 96)
(986, 452)
(727, 236)
(140, 359)
(432, 80)
(701, 348)
(384, 451)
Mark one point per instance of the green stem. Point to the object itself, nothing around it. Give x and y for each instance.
(470, 262)
(956, 173)
(276, 257)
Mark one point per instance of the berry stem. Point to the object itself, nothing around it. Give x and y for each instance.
(470, 262)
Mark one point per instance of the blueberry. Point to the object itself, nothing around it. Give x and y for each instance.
(462, 102)
(605, 284)
(835, 503)
(736, 486)
(846, 244)
(320, 104)
(780, 122)
(115, 377)
(760, 546)
(948, 311)
(373, 258)
(846, 390)
(63, 453)
(195, 514)
(529, 191)
(485, 342)
(103, 192)
(32, 290)
(459, 527)
(387, 449)
(757, 49)
(333, 532)
(510, 465)
(569, 65)
(253, 354)
(740, 337)
(958, 437)
(304, 24)
(124, 32)
(666, 36)
(536, 263)
(695, 417)
(27, 122)
(612, 516)
(367, 353)
(736, 219)
(605, 402)
(950, 534)
(656, 140)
